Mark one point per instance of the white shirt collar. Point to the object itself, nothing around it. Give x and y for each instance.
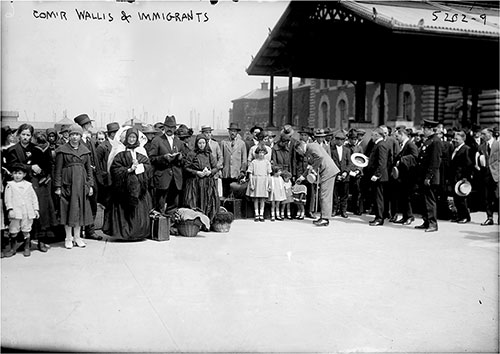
(379, 139)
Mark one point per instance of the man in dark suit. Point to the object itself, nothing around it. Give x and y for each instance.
(341, 155)
(102, 153)
(488, 161)
(429, 160)
(166, 157)
(405, 162)
(86, 123)
(390, 197)
(460, 166)
(377, 171)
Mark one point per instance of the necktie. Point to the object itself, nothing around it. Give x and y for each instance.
(489, 149)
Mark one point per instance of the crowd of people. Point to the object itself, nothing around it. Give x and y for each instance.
(56, 180)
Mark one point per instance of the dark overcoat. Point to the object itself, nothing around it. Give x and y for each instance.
(166, 168)
(73, 174)
(429, 160)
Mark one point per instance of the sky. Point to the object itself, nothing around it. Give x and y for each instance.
(117, 66)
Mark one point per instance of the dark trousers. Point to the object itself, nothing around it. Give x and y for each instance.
(167, 199)
(404, 192)
(340, 196)
(430, 210)
(378, 199)
(490, 194)
(390, 198)
(461, 205)
(356, 202)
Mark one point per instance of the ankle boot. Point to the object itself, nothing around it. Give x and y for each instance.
(27, 247)
(12, 245)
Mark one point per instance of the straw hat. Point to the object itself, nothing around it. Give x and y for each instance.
(463, 188)
(359, 159)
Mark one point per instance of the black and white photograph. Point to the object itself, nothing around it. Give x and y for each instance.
(250, 176)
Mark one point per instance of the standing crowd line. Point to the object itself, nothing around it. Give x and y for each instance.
(56, 181)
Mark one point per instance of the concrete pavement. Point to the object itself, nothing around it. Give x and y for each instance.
(263, 287)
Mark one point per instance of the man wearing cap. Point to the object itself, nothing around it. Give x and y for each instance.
(405, 163)
(102, 153)
(488, 163)
(235, 158)
(166, 157)
(460, 168)
(326, 170)
(63, 135)
(429, 160)
(341, 155)
(378, 174)
(84, 121)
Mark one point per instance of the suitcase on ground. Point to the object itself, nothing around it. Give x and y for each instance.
(160, 227)
(234, 206)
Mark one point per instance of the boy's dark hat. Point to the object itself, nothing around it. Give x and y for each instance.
(252, 129)
(82, 119)
(170, 122)
(234, 126)
(19, 167)
(112, 127)
(64, 128)
(430, 123)
(183, 132)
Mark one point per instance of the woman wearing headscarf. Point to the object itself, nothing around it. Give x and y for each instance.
(130, 203)
(201, 187)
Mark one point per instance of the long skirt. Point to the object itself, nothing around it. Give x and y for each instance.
(202, 193)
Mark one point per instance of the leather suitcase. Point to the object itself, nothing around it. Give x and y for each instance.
(160, 228)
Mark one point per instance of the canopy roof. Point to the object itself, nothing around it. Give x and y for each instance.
(385, 41)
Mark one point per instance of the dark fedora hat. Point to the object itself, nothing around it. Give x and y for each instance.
(234, 126)
(170, 121)
(252, 129)
(112, 127)
(306, 130)
(320, 133)
(82, 119)
(430, 123)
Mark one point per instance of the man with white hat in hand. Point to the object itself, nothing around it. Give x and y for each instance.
(461, 168)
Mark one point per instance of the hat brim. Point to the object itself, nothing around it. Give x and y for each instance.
(459, 191)
(395, 172)
(319, 135)
(235, 129)
(359, 159)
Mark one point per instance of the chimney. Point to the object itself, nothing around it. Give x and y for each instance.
(264, 86)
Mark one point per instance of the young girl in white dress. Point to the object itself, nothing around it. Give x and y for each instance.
(285, 205)
(259, 181)
(277, 193)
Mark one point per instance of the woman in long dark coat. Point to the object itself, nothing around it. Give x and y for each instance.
(25, 152)
(128, 214)
(201, 188)
(74, 183)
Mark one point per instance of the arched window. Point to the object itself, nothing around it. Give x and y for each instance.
(407, 106)
(324, 111)
(342, 111)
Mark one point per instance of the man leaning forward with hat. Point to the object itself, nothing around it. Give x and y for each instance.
(102, 153)
(215, 150)
(429, 161)
(84, 121)
(166, 156)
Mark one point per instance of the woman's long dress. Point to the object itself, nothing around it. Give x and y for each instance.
(201, 192)
(127, 216)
